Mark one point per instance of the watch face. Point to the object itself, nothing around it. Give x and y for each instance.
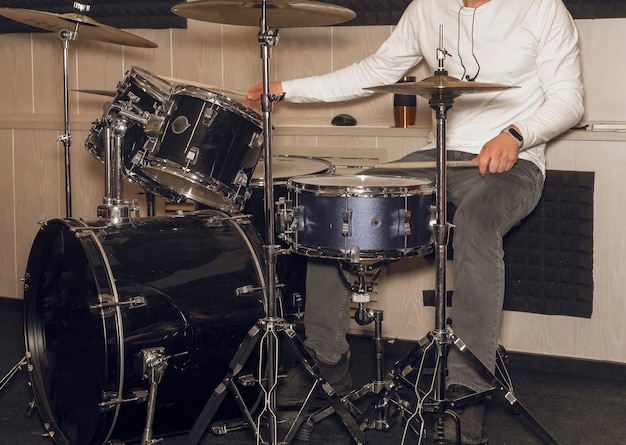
(515, 134)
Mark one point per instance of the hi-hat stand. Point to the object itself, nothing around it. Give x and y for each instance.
(441, 90)
(267, 332)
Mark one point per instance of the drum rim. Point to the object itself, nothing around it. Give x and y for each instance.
(198, 181)
(413, 186)
(218, 99)
(145, 78)
(35, 339)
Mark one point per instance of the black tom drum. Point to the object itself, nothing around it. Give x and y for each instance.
(208, 148)
(97, 297)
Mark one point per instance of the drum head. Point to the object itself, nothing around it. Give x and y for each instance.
(287, 166)
(361, 185)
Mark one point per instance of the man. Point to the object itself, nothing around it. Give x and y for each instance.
(532, 45)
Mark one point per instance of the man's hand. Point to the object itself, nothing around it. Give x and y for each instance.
(255, 92)
(498, 155)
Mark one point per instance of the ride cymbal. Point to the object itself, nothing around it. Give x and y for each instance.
(439, 85)
(87, 27)
(280, 13)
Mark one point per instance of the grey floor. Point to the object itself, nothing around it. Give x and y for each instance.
(579, 403)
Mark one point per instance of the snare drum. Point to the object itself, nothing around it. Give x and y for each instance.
(354, 217)
(140, 94)
(208, 149)
(99, 297)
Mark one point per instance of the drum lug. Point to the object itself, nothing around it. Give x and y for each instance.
(107, 303)
(256, 141)
(406, 216)
(284, 215)
(241, 178)
(110, 399)
(191, 157)
(346, 228)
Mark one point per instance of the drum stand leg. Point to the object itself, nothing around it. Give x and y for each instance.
(14, 370)
(271, 328)
(442, 336)
(154, 364)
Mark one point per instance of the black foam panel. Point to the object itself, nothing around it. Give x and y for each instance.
(156, 14)
(549, 255)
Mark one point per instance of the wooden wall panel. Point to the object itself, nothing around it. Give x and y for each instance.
(8, 272)
(16, 74)
(39, 186)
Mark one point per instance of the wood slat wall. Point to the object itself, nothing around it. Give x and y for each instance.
(31, 158)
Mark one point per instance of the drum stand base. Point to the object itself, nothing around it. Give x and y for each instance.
(14, 370)
(271, 329)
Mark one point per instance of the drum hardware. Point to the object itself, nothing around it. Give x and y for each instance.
(111, 399)
(108, 302)
(115, 209)
(68, 27)
(154, 363)
(441, 90)
(14, 370)
(267, 331)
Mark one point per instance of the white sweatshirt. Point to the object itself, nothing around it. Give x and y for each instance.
(531, 44)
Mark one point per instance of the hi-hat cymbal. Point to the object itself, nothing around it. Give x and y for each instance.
(439, 85)
(88, 28)
(280, 13)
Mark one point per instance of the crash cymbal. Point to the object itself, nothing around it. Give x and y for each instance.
(88, 28)
(280, 13)
(439, 85)
(108, 93)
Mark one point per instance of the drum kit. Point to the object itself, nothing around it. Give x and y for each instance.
(166, 299)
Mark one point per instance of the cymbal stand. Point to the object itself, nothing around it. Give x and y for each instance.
(66, 35)
(442, 336)
(268, 329)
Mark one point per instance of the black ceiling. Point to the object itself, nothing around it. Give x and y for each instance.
(156, 14)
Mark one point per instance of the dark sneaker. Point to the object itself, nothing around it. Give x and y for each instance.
(471, 418)
(295, 386)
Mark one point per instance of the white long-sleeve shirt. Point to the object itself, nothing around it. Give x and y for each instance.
(531, 44)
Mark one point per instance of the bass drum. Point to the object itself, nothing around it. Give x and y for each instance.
(98, 297)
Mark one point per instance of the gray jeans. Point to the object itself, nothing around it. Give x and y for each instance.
(486, 209)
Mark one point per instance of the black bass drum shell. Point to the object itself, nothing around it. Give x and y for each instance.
(97, 296)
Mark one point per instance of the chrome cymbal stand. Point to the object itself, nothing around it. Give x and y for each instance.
(66, 35)
(442, 337)
(268, 329)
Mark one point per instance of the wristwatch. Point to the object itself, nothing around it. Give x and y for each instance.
(515, 135)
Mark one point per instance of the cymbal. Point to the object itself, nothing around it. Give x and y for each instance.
(109, 93)
(88, 28)
(280, 13)
(439, 85)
